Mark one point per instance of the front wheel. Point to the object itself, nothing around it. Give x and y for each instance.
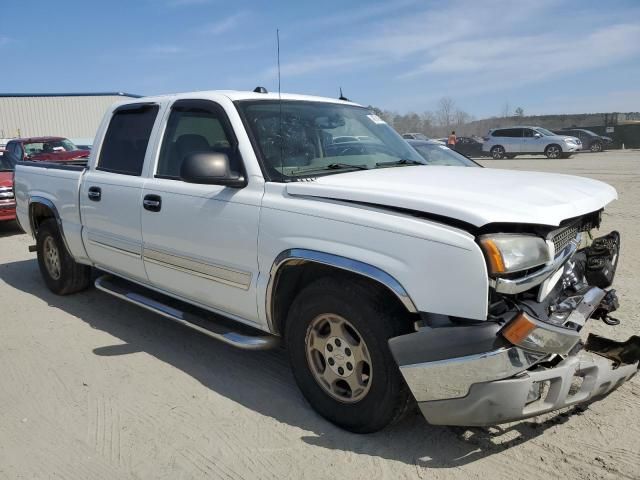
(337, 333)
(498, 152)
(596, 147)
(553, 151)
(62, 274)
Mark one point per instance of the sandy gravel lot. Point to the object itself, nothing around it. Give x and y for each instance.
(94, 388)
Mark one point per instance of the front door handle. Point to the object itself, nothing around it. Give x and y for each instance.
(153, 203)
(95, 194)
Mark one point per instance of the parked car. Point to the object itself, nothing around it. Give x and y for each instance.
(415, 136)
(384, 276)
(470, 146)
(512, 141)
(7, 198)
(50, 149)
(590, 141)
(437, 154)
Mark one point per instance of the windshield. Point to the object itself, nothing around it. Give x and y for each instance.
(303, 139)
(7, 164)
(50, 146)
(442, 155)
(545, 132)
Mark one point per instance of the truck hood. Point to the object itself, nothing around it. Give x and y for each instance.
(477, 196)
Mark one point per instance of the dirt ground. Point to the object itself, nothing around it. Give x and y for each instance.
(94, 388)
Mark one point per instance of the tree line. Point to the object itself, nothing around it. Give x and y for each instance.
(439, 122)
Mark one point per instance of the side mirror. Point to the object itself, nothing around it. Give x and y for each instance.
(210, 168)
(537, 135)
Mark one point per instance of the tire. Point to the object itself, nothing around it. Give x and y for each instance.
(498, 152)
(381, 396)
(60, 272)
(553, 151)
(596, 147)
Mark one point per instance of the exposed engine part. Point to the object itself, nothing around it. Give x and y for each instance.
(609, 304)
(602, 260)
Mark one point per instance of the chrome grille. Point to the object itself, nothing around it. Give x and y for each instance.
(6, 193)
(563, 237)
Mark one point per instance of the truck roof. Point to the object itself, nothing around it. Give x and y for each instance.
(234, 95)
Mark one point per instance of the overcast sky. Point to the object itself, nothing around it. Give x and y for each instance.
(546, 56)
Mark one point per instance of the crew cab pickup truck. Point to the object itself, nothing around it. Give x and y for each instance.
(386, 278)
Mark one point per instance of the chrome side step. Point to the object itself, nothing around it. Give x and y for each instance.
(215, 326)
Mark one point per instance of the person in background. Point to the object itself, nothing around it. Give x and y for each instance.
(451, 141)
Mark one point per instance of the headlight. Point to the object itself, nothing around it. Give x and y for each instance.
(507, 253)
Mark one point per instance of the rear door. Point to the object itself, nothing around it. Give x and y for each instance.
(111, 193)
(200, 241)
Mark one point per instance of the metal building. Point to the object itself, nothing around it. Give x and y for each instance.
(71, 115)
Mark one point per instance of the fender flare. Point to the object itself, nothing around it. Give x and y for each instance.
(300, 255)
(35, 200)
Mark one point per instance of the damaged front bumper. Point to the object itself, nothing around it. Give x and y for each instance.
(479, 374)
(461, 391)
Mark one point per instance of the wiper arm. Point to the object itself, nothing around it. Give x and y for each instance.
(337, 166)
(402, 161)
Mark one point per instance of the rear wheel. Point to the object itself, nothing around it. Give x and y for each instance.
(498, 152)
(553, 151)
(60, 272)
(337, 332)
(596, 147)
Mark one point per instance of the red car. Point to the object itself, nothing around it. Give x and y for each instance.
(50, 149)
(7, 199)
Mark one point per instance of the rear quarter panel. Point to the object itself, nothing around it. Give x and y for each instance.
(61, 188)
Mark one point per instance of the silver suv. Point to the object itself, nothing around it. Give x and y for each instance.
(512, 141)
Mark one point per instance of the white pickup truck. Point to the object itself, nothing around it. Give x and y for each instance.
(388, 274)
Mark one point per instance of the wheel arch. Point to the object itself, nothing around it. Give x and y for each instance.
(40, 210)
(300, 266)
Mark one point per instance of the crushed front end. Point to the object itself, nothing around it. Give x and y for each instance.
(533, 354)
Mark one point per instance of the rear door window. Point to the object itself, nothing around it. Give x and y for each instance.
(125, 143)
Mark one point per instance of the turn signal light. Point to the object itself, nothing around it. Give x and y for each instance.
(518, 329)
(493, 256)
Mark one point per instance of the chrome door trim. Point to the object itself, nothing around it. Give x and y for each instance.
(115, 244)
(299, 255)
(193, 266)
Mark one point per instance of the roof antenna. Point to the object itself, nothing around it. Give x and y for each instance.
(342, 97)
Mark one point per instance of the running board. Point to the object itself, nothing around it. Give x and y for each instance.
(215, 326)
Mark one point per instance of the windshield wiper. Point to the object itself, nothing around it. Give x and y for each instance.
(402, 161)
(338, 166)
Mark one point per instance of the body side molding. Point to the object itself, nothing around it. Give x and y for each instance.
(299, 256)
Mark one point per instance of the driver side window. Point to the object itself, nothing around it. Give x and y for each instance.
(194, 127)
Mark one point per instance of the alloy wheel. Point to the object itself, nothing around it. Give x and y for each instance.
(52, 258)
(338, 358)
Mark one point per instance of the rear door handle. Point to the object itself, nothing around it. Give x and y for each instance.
(95, 194)
(153, 203)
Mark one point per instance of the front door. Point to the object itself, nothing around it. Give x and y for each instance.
(200, 241)
(531, 142)
(111, 194)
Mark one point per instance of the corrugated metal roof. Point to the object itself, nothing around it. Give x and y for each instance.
(73, 94)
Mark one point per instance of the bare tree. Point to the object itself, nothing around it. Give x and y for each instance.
(519, 112)
(461, 117)
(444, 113)
(506, 110)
